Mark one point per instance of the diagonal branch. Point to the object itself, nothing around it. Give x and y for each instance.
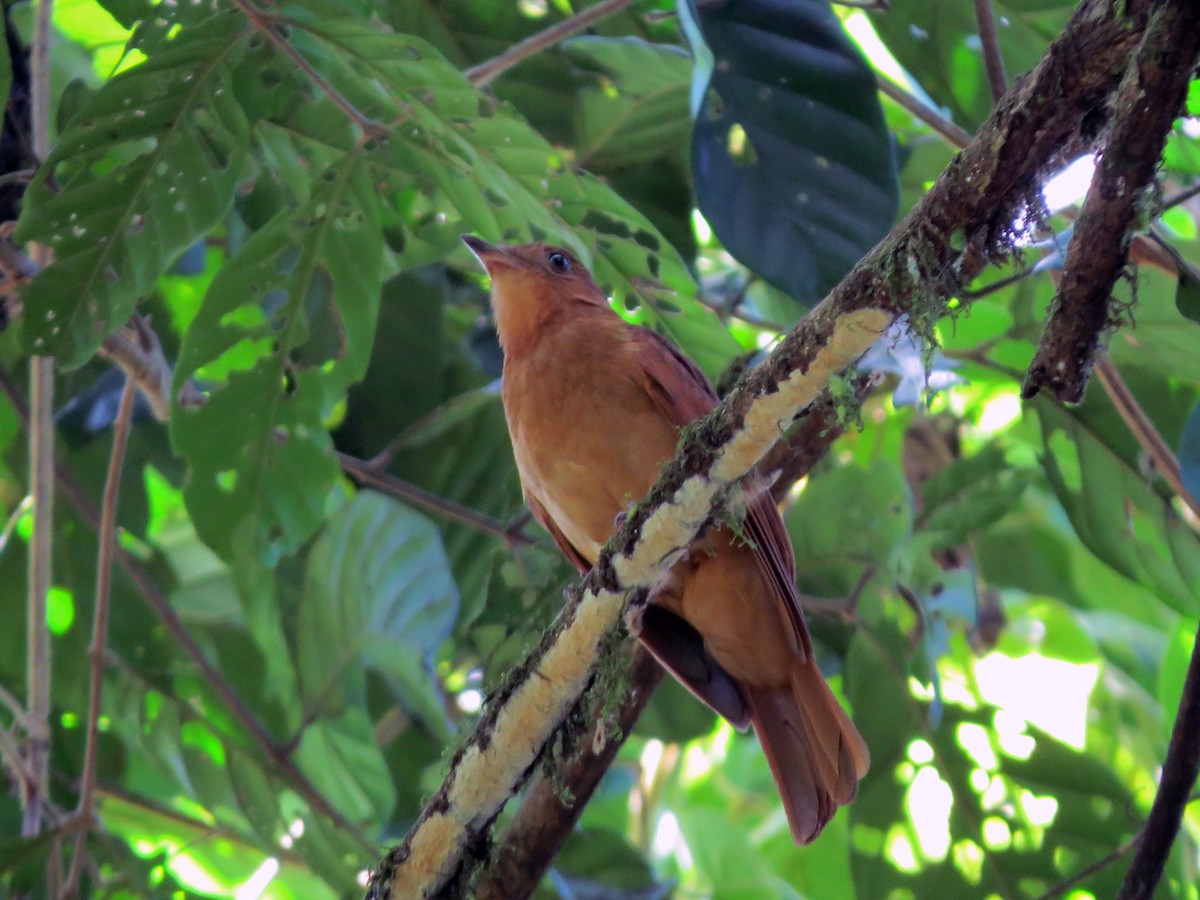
(488, 70)
(1150, 96)
(911, 272)
(544, 821)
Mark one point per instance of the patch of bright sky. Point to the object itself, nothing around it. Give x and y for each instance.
(1049, 693)
(1070, 185)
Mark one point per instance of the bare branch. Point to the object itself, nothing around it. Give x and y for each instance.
(41, 480)
(488, 70)
(1179, 772)
(104, 565)
(368, 474)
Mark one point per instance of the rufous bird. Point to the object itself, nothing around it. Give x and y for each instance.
(594, 408)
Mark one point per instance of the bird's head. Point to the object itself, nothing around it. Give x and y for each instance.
(531, 283)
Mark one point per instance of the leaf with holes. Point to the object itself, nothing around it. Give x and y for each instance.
(378, 595)
(483, 169)
(285, 327)
(791, 157)
(146, 167)
(638, 109)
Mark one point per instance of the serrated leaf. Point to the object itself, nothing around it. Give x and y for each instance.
(791, 157)
(116, 223)
(293, 316)
(639, 110)
(378, 595)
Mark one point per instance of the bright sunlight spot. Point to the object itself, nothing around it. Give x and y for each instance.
(701, 227)
(667, 836)
(929, 802)
(1070, 185)
(973, 738)
(920, 752)
(259, 881)
(1038, 811)
(1049, 693)
(999, 412)
(860, 28)
(470, 701)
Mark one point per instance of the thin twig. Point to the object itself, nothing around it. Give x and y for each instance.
(1084, 874)
(1182, 196)
(41, 478)
(956, 136)
(367, 474)
(165, 613)
(265, 22)
(104, 566)
(1143, 430)
(489, 69)
(993, 60)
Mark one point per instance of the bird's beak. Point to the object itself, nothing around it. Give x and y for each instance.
(491, 258)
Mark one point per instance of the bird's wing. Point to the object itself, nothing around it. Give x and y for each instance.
(569, 550)
(683, 394)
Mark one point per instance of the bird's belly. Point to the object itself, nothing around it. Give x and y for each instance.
(584, 478)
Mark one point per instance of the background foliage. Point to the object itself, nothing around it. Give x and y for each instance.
(293, 237)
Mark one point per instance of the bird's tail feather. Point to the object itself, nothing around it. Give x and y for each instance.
(815, 753)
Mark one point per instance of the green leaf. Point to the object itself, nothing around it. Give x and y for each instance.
(639, 109)
(999, 838)
(378, 595)
(1116, 514)
(148, 166)
(453, 140)
(285, 327)
(1173, 673)
(791, 158)
(848, 519)
(345, 764)
(971, 493)
(1187, 295)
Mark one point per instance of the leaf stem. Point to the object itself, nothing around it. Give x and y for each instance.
(484, 73)
(104, 565)
(265, 22)
(366, 473)
(1143, 430)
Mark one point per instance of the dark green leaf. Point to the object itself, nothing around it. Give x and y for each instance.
(116, 228)
(792, 160)
(285, 327)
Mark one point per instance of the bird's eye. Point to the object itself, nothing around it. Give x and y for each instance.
(559, 262)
